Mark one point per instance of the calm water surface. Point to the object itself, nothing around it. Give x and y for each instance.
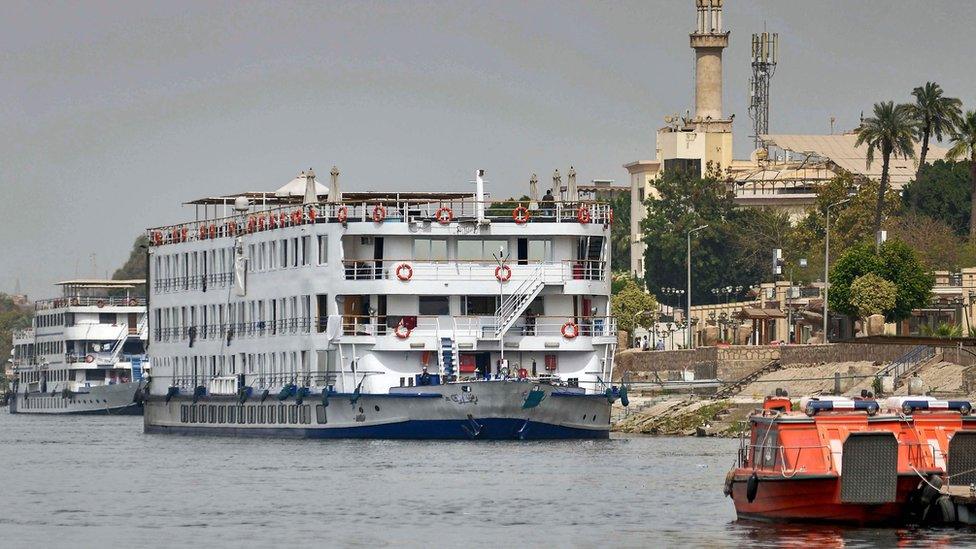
(100, 482)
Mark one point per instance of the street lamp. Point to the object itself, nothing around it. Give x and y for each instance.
(827, 264)
(688, 312)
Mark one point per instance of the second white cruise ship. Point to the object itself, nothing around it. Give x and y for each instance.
(308, 312)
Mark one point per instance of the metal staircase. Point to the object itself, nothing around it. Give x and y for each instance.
(447, 357)
(517, 302)
(124, 336)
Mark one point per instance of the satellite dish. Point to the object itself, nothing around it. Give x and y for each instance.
(241, 204)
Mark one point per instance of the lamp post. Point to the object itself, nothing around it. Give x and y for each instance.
(688, 311)
(827, 264)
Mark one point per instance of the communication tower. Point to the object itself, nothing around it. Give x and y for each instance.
(764, 54)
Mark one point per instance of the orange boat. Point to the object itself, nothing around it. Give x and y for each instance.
(844, 460)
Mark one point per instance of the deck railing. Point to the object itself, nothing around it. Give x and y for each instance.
(477, 326)
(409, 269)
(383, 211)
(786, 459)
(89, 301)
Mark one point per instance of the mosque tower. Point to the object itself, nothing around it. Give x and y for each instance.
(708, 41)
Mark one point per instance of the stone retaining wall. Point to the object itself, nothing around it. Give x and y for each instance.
(736, 362)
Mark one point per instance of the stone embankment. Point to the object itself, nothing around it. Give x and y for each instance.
(703, 415)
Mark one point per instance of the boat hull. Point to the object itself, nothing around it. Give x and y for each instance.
(816, 499)
(483, 411)
(116, 399)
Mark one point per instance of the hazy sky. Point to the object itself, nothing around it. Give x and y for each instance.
(114, 113)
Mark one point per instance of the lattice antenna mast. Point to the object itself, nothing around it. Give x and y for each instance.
(764, 56)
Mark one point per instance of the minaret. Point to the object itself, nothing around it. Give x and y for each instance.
(708, 41)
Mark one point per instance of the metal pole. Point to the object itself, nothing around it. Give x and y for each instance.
(688, 311)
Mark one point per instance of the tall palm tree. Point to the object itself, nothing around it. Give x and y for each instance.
(935, 115)
(963, 145)
(890, 131)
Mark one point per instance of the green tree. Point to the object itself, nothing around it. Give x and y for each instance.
(735, 249)
(964, 144)
(942, 191)
(890, 131)
(937, 245)
(872, 295)
(12, 317)
(894, 261)
(629, 305)
(620, 234)
(134, 268)
(934, 115)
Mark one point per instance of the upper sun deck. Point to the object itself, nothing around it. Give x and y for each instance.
(94, 292)
(249, 212)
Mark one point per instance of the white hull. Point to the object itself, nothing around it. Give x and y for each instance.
(104, 399)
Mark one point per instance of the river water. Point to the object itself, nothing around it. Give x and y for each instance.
(100, 482)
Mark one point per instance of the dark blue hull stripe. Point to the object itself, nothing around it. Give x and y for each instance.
(447, 429)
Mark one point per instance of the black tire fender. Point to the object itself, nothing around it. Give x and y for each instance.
(752, 487)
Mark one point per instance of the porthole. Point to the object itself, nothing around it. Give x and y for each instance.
(360, 409)
(594, 417)
(377, 408)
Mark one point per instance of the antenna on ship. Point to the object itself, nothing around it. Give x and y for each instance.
(479, 192)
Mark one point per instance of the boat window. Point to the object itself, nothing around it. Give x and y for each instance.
(221, 414)
(479, 305)
(213, 413)
(271, 412)
(293, 413)
(320, 415)
(232, 414)
(282, 417)
(323, 249)
(540, 250)
(260, 413)
(770, 448)
(429, 249)
(106, 318)
(193, 414)
(240, 415)
(305, 414)
(434, 305)
(481, 250)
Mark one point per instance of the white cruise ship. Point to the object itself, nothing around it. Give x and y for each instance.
(85, 353)
(307, 312)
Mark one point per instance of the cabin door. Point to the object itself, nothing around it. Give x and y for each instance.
(523, 251)
(378, 257)
(133, 323)
(350, 311)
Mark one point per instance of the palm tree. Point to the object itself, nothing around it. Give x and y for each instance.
(935, 115)
(890, 131)
(963, 145)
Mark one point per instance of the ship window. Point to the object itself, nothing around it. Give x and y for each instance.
(306, 252)
(221, 414)
(293, 413)
(106, 318)
(427, 249)
(770, 448)
(271, 413)
(434, 305)
(240, 414)
(323, 249)
(320, 415)
(250, 414)
(540, 250)
(282, 417)
(481, 250)
(479, 305)
(260, 413)
(284, 253)
(193, 414)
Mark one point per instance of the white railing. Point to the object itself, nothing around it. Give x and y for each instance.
(481, 327)
(552, 272)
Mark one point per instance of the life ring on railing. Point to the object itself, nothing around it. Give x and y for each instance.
(404, 271)
(503, 273)
(75, 301)
(231, 228)
(342, 214)
(133, 302)
(570, 330)
(100, 303)
(401, 331)
(183, 232)
(583, 215)
(522, 373)
(312, 213)
(521, 215)
(444, 215)
(251, 223)
(274, 221)
(89, 358)
(260, 222)
(296, 217)
(379, 213)
(213, 231)
(203, 232)
(157, 238)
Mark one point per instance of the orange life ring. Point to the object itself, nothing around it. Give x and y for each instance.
(503, 273)
(583, 215)
(401, 331)
(312, 213)
(183, 234)
(404, 271)
(213, 231)
(133, 302)
(521, 215)
(157, 238)
(260, 222)
(231, 228)
(523, 373)
(89, 359)
(379, 213)
(444, 215)
(251, 222)
(100, 303)
(342, 214)
(570, 330)
(296, 217)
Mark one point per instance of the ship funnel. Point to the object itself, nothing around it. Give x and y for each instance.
(311, 197)
(479, 195)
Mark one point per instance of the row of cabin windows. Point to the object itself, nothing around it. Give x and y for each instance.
(48, 320)
(271, 368)
(44, 403)
(286, 253)
(68, 319)
(194, 264)
(435, 249)
(286, 315)
(252, 414)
